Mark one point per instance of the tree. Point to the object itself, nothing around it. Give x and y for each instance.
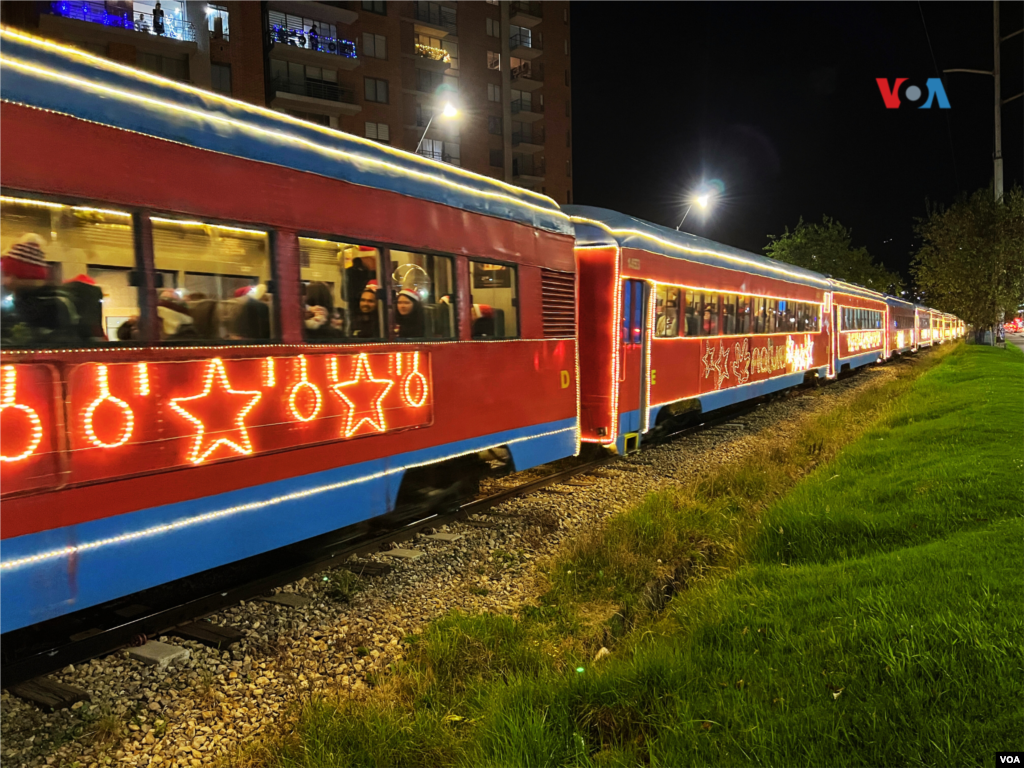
(972, 261)
(827, 248)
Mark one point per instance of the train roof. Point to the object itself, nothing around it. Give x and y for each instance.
(46, 75)
(899, 301)
(598, 226)
(857, 290)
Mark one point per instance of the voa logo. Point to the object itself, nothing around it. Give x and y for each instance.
(1009, 759)
(891, 93)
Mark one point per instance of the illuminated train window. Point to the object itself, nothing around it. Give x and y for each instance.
(341, 289)
(66, 274)
(423, 304)
(666, 312)
(495, 309)
(221, 277)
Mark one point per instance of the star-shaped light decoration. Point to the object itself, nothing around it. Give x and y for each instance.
(216, 401)
(355, 390)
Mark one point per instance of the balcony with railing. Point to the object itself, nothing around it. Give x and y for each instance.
(527, 110)
(313, 96)
(429, 57)
(527, 170)
(307, 46)
(168, 26)
(434, 154)
(523, 45)
(527, 76)
(525, 14)
(528, 141)
(439, 17)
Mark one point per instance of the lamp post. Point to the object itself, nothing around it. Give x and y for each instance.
(701, 200)
(448, 111)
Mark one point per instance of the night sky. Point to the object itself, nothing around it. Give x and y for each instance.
(779, 102)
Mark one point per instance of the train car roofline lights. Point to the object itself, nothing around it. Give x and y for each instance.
(698, 251)
(230, 511)
(279, 135)
(107, 64)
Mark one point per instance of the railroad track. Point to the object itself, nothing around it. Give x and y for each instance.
(45, 648)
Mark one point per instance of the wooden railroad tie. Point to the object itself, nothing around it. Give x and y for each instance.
(210, 634)
(49, 694)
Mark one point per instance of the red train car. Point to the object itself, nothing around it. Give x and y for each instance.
(902, 326)
(670, 322)
(861, 320)
(281, 330)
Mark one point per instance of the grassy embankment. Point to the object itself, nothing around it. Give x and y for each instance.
(836, 603)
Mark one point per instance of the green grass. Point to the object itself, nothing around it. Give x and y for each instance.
(838, 603)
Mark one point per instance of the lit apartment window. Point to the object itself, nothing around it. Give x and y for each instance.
(375, 6)
(452, 49)
(520, 36)
(493, 27)
(217, 20)
(493, 60)
(375, 90)
(494, 124)
(493, 92)
(375, 46)
(220, 76)
(378, 132)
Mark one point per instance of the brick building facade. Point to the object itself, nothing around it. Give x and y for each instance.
(384, 70)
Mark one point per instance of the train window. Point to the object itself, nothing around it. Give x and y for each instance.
(220, 290)
(690, 324)
(666, 312)
(494, 307)
(709, 314)
(637, 324)
(341, 293)
(744, 315)
(424, 296)
(65, 274)
(728, 314)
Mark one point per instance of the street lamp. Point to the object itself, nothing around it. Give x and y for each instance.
(448, 111)
(702, 200)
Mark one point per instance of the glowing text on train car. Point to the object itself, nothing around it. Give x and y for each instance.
(792, 358)
(799, 357)
(860, 340)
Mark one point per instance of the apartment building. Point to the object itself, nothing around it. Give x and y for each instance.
(483, 85)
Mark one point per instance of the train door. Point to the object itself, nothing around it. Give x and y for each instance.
(632, 341)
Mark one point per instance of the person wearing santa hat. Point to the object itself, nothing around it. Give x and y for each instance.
(31, 309)
(366, 320)
(410, 316)
(483, 321)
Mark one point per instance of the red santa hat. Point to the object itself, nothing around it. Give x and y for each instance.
(25, 259)
(482, 310)
(411, 294)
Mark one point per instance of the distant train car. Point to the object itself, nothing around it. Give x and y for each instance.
(861, 320)
(227, 330)
(902, 326)
(670, 322)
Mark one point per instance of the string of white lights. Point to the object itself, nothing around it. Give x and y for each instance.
(8, 565)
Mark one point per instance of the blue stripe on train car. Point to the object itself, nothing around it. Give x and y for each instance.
(288, 511)
(860, 360)
(263, 136)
